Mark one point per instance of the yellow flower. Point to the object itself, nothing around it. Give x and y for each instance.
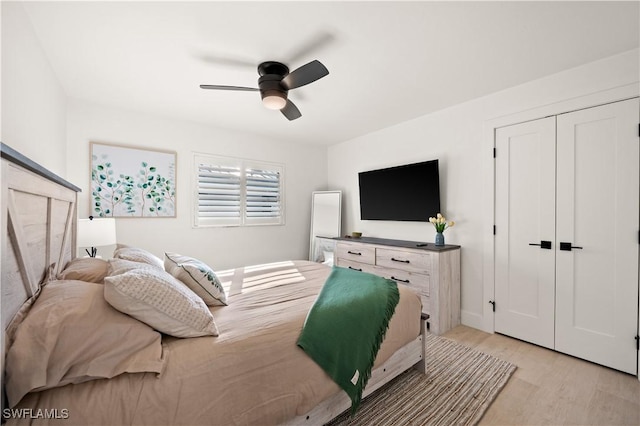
(440, 222)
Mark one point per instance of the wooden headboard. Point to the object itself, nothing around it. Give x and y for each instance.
(38, 229)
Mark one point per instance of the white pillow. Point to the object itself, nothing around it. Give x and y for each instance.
(136, 254)
(159, 300)
(121, 266)
(197, 276)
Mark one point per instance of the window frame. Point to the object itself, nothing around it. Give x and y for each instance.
(243, 164)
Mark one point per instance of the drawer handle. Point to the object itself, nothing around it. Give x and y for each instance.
(354, 252)
(400, 260)
(355, 269)
(398, 279)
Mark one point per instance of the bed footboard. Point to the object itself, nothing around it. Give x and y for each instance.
(410, 355)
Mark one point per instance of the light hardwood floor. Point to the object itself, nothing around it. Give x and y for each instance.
(549, 388)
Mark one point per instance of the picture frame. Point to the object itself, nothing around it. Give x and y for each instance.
(135, 182)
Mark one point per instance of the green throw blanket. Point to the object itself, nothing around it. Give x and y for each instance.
(346, 325)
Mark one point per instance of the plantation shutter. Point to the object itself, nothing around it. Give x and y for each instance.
(235, 192)
(262, 195)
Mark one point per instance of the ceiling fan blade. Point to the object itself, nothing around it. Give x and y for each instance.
(238, 88)
(306, 74)
(315, 43)
(226, 60)
(291, 111)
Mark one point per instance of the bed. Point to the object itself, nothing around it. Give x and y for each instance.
(252, 372)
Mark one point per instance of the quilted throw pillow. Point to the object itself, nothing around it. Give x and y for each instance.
(159, 300)
(197, 276)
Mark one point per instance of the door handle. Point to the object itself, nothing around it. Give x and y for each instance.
(568, 247)
(543, 244)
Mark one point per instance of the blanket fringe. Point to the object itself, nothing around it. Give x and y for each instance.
(392, 302)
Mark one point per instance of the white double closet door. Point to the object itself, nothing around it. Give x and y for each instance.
(567, 229)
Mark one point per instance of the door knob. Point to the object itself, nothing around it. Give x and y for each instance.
(568, 247)
(543, 244)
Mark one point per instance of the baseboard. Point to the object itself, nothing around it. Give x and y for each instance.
(473, 320)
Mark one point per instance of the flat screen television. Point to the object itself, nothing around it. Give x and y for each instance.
(403, 193)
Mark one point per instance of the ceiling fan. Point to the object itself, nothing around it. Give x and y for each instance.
(275, 82)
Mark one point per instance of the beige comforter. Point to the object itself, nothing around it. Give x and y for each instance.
(253, 373)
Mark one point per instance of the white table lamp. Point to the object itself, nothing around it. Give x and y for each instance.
(96, 232)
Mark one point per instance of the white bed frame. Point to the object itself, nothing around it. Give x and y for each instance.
(38, 231)
(408, 356)
(39, 223)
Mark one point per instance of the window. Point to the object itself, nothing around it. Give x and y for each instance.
(237, 192)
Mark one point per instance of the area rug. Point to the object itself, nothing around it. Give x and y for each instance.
(459, 386)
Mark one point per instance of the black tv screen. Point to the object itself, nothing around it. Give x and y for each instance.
(405, 193)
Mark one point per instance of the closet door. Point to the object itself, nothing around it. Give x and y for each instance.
(597, 214)
(525, 231)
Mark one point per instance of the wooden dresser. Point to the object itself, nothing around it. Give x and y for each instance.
(432, 271)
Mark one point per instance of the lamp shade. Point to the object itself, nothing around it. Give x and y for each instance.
(96, 232)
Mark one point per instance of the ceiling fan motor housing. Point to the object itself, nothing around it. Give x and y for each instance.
(270, 85)
(273, 67)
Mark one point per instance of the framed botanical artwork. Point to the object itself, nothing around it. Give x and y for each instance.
(132, 182)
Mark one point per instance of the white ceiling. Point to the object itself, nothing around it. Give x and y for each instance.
(388, 61)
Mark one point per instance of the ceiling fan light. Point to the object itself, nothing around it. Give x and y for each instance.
(274, 101)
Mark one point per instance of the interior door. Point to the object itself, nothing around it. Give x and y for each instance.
(597, 220)
(525, 231)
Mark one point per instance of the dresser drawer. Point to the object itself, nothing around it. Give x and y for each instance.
(362, 253)
(405, 260)
(358, 266)
(418, 282)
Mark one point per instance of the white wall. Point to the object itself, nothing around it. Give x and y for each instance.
(455, 136)
(305, 171)
(40, 122)
(33, 102)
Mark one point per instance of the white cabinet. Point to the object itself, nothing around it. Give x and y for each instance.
(567, 233)
(432, 272)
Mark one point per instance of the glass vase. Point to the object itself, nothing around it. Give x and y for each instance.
(439, 239)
